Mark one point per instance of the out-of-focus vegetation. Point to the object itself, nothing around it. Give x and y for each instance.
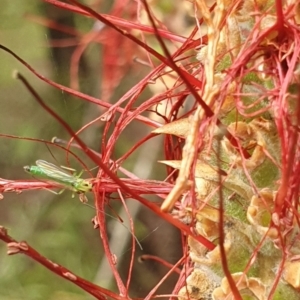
(231, 166)
(57, 226)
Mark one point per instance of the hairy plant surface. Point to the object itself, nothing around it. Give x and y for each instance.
(225, 98)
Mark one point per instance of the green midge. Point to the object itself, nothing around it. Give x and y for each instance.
(49, 171)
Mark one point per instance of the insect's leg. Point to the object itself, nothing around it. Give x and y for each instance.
(53, 192)
(83, 198)
(60, 192)
(73, 171)
(69, 169)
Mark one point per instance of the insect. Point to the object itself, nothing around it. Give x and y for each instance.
(49, 171)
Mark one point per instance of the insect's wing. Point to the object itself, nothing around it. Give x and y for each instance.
(53, 171)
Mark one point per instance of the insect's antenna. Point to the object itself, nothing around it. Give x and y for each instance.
(51, 152)
(58, 141)
(141, 239)
(61, 142)
(114, 218)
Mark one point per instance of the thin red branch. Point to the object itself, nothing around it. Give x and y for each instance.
(15, 247)
(119, 22)
(160, 260)
(76, 93)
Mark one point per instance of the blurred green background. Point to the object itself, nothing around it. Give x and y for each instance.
(58, 226)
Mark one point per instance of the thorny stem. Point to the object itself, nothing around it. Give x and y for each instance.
(225, 267)
(211, 90)
(202, 116)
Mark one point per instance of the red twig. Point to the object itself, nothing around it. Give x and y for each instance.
(112, 175)
(15, 247)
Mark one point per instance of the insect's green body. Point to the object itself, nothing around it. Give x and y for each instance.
(49, 171)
